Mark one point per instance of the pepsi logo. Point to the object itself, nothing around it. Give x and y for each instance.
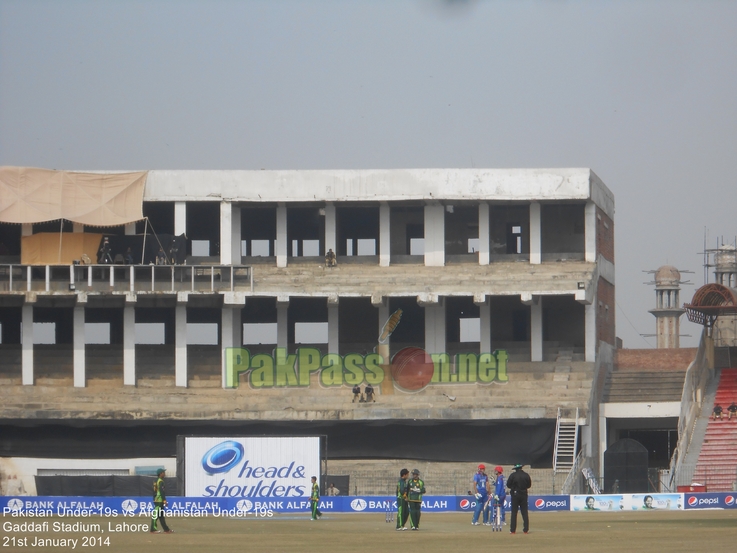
(465, 504)
(729, 500)
(539, 503)
(693, 500)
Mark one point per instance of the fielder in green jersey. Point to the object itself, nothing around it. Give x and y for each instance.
(415, 489)
(402, 505)
(315, 499)
(159, 503)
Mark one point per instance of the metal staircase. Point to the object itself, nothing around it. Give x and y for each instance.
(566, 442)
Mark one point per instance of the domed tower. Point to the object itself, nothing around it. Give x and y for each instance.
(667, 306)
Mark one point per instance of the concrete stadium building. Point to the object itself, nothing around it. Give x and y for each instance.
(504, 278)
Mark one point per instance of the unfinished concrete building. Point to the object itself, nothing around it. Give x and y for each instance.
(480, 261)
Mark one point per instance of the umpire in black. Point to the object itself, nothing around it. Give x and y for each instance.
(518, 483)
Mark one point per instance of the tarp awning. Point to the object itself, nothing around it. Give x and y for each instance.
(30, 195)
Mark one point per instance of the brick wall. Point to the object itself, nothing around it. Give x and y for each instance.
(654, 359)
(605, 330)
(604, 235)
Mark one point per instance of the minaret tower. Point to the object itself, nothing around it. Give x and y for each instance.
(667, 306)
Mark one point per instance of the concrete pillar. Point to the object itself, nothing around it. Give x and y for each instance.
(280, 247)
(602, 442)
(590, 331)
(180, 218)
(230, 234)
(77, 227)
(536, 329)
(434, 236)
(80, 376)
(536, 255)
(129, 345)
(27, 344)
(231, 329)
(180, 347)
(130, 229)
(435, 328)
(333, 326)
(331, 229)
(483, 235)
(26, 229)
(590, 231)
(282, 322)
(384, 235)
(485, 324)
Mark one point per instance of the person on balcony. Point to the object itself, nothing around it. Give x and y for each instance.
(104, 255)
(370, 394)
(330, 260)
(357, 394)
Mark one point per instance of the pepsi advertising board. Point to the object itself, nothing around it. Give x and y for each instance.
(720, 500)
(549, 503)
(252, 468)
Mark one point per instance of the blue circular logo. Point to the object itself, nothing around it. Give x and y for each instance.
(222, 457)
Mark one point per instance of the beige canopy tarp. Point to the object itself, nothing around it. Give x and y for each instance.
(29, 195)
(48, 248)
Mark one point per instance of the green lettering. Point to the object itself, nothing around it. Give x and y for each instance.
(309, 361)
(466, 363)
(441, 362)
(352, 371)
(332, 372)
(285, 369)
(501, 362)
(237, 360)
(262, 375)
(487, 367)
(374, 370)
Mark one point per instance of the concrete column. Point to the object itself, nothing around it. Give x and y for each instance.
(333, 326)
(180, 218)
(80, 376)
(483, 235)
(485, 316)
(590, 322)
(282, 323)
(77, 227)
(602, 442)
(180, 347)
(280, 247)
(434, 236)
(231, 329)
(536, 329)
(26, 229)
(130, 229)
(129, 345)
(331, 229)
(384, 235)
(27, 344)
(435, 328)
(383, 316)
(590, 231)
(536, 255)
(230, 234)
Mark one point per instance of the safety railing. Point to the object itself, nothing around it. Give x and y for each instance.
(125, 278)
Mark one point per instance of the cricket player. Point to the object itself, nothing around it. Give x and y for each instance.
(402, 505)
(415, 489)
(315, 499)
(481, 486)
(159, 504)
(500, 492)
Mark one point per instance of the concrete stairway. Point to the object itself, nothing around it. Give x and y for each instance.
(717, 463)
(636, 386)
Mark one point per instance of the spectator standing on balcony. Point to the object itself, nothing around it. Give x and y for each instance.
(104, 255)
(717, 412)
(732, 410)
(370, 394)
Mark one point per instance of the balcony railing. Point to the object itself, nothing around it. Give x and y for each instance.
(125, 278)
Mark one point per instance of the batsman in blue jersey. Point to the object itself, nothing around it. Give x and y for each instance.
(482, 489)
(500, 492)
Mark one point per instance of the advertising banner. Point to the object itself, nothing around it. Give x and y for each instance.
(718, 500)
(662, 501)
(468, 503)
(549, 503)
(609, 502)
(251, 468)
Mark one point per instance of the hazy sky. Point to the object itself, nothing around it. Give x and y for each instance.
(642, 92)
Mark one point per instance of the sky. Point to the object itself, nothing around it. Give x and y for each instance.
(643, 92)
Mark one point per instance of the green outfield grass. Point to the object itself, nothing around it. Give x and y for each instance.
(692, 531)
